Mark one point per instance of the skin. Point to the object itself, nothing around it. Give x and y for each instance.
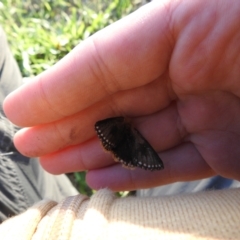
(173, 67)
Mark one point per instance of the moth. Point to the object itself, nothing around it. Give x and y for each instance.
(127, 145)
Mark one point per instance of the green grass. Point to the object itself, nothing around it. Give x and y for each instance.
(41, 32)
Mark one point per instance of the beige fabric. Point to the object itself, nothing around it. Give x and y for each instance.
(207, 215)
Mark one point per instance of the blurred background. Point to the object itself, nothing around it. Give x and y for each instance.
(41, 32)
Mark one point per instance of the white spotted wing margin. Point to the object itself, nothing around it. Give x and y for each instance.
(127, 145)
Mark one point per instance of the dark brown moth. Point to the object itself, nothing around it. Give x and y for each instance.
(127, 145)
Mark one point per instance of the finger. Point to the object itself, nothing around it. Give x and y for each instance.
(115, 59)
(220, 151)
(89, 155)
(80, 127)
(182, 163)
(45, 139)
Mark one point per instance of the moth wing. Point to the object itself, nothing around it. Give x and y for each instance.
(143, 155)
(124, 149)
(127, 145)
(110, 132)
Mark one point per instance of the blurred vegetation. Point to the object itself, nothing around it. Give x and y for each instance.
(41, 32)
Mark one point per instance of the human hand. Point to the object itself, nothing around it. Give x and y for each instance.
(172, 66)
